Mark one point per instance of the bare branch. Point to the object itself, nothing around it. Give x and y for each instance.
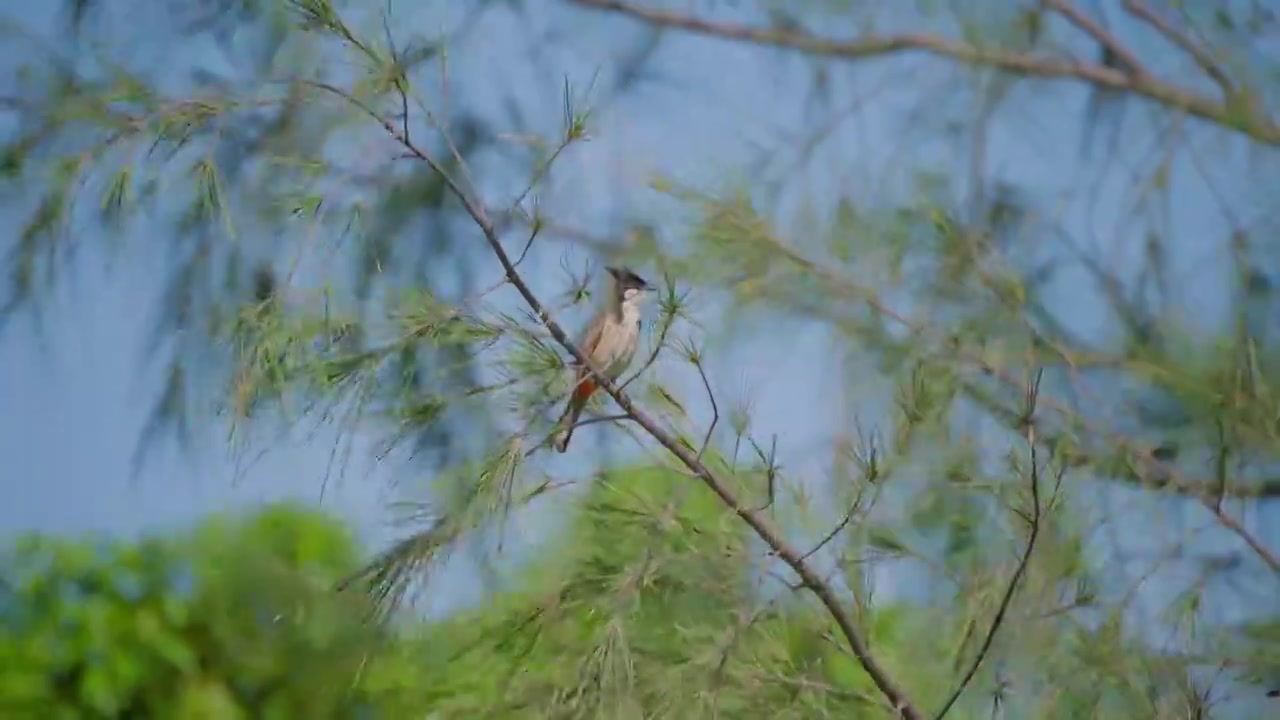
(1252, 121)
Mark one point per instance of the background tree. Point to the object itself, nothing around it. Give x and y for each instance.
(976, 315)
(233, 619)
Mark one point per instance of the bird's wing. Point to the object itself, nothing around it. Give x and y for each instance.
(591, 336)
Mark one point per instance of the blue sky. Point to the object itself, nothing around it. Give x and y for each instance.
(75, 401)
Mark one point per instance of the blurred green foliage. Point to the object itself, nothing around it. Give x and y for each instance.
(234, 619)
(644, 604)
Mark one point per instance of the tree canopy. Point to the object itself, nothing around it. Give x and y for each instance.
(235, 618)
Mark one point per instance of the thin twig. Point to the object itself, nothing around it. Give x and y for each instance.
(1183, 41)
(1128, 62)
(1034, 523)
(570, 136)
(601, 419)
(844, 522)
(442, 125)
(715, 408)
(580, 423)
(533, 235)
(770, 470)
(402, 80)
(1220, 462)
(868, 460)
(1230, 523)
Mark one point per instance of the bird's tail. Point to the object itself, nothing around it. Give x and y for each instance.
(572, 410)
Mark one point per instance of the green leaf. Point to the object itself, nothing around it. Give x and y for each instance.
(98, 690)
(118, 196)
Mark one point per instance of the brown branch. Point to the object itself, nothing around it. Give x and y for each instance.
(1262, 551)
(1034, 524)
(761, 525)
(1254, 123)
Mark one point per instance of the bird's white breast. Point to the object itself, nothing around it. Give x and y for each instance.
(628, 340)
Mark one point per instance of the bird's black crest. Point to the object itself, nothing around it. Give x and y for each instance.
(626, 278)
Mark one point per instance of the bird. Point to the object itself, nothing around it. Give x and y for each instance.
(609, 342)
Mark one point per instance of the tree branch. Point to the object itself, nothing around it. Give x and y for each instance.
(1251, 121)
(1262, 551)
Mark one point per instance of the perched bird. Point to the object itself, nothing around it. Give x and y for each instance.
(609, 342)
